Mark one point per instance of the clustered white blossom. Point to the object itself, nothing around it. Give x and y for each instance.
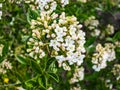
(109, 84)
(50, 88)
(110, 29)
(102, 55)
(64, 36)
(4, 66)
(29, 1)
(78, 75)
(1, 49)
(20, 88)
(36, 50)
(59, 36)
(70, 39)
(117, 43)
(76, 88)
(116, 71)
(92, 24)
(47, 5)
(0, 10)
(64, 2)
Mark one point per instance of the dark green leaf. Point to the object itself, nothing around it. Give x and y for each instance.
(49, 62)
(32, 14)
(54, 76)
(36, 67)
(42, 82)
(90, 41)
(30, 83)
(21, 59)
(5, 49)
(90, 49)
(1, 59)
(116, 36)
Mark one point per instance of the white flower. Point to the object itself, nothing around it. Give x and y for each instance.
(1, 49)
(69, 41)
(80, 59)
(59, 31)
(116, 71)
(0, 11)
(66, 67)
(110, 29)
(0, 5)
(60, 39)
(92, 24)
(71, 48)
(64, 2)
(50, 88)
(0, 14)
(72, 31)
(20, 88)
(103, 55)
(55, 44)
(78, 75)
(47, 5)
(65, 40)
(4, 66)
(76, 88)
(96, 32)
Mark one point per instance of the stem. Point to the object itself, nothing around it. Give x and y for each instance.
(8, 85)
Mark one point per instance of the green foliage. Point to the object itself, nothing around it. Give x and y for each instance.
(41, 74)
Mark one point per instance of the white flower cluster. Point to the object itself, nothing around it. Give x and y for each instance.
(109, 84)
(117, 43)
(29, 1)
(40, 30)
(76, 88)
(0, 10)
(102, 55)
(78, 75)
(1, 49)
(64, 2)
(50, 88)
(70, 39)
(36, 50)
(20, 88)
(92, 24)
(116, 71)
(110, 29)
(4, 66)
(47, 5)
(64, 36)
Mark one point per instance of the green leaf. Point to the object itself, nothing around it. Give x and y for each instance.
(30, 83)
(21, 59)
(93, 76)
(54, 76)
(32, 14)
(1, 59)
(90, 49)
(36, 67)
(42, 82)
(109, 39)
(49, 62)
(19, 76)
(5, 49)
(90, 41)
(116, 36)
(24, 38)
